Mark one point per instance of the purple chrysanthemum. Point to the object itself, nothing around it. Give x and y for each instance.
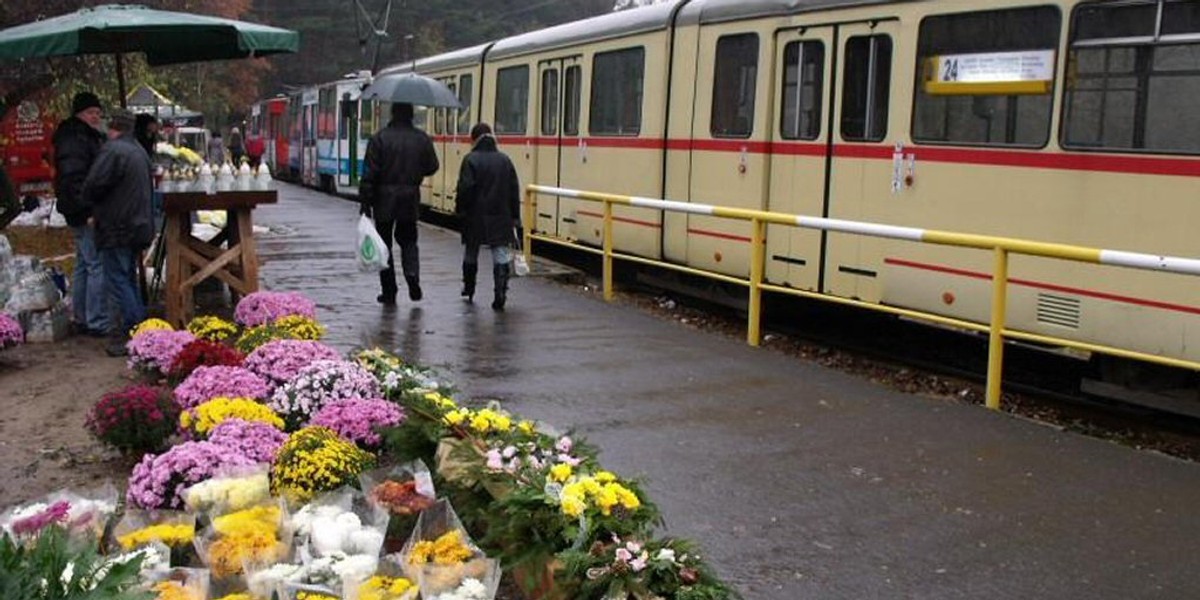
(318, 384)
(265, 307)
(281, 360)
(155, 350)
(252, 439)
(11, 333)
(206, 383)
(359, 420)
(157, 480)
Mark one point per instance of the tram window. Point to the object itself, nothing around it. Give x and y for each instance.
(550, 102)
(735, 78)
(1134, 74)
(617, 92)
(465, 84)
(512, 100)
(865, 92)
(1016, 116)
(572, 81)
(366, 122)
(803, 77)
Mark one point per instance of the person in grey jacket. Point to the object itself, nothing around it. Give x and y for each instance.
(118, 190)
(489, 203)
(398, 158)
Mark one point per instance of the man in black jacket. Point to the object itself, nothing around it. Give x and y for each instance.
(77, 142)
(118, 190)
(398, 158)
(489, 203)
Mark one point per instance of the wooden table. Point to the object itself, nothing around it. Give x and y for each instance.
(191, 260)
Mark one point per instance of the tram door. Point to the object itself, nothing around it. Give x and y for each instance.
(443, 133)
(308, 133)
(868, 165)
(801, 142)
(458, 139)
(349, 131)
(548, 146)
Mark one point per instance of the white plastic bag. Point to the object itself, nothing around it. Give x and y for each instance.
(372, 251)
(520, 265)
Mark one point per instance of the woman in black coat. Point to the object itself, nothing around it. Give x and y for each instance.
(489, 201)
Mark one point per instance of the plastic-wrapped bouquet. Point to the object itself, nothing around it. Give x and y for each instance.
(382, 587)
(255, 440)
(262, 580)
(201, 353)
(138, 528)
(315, 459)
(251, 535)
(153, 351)
(181, 583)
(359, 420)
(265, 307)
(32, 518)
(279, 361)
(11, 333)
(234, 490)
(136, 419)
(159, 480)
(318, 384)
(441, 557)
(336, 524)
(212, 328)
(199, 421)
(206, 383)
(401, 490)
(75, 513)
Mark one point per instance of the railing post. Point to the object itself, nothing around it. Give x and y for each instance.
(608, 251)
(996, 334)
(527, 227)
(757, 265)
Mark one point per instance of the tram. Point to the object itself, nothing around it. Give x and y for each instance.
(1063, 121)
(267, 127)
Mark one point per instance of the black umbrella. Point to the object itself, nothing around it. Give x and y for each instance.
(411, 88)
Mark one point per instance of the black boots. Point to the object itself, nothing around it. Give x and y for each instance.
(414, 287)
(500, 274)
(387, 283)
(469, 271)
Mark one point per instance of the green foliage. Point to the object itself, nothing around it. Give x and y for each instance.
(53, 567)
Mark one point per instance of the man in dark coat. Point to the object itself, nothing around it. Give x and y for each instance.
(398, 158)
(77, 142)
(118, 189)
(489, 204)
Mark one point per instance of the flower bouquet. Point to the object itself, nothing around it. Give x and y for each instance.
(320, 383)
(11, 333)
(255, 440)
(235, 489)
(139, 418)
(202, 353)
(441, 557)
(262, 307)
(403, 491)
(158, 481)
(251, 535)
(360, 420)
(199, 421)
(180, 583)
(88, 511)
(206, 383)
(31, 519)
(212, 328)
(340, 571)
(173, 530)
(629, 568)
(313, 460)
(398, 378)
(302, 591)
(263, 580)
(153, 351)
(383, 587)
(280, 360)
(342, 523)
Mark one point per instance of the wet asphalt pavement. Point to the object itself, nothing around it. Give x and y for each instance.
(798, 481)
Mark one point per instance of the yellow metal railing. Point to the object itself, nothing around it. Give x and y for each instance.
(1001, 248)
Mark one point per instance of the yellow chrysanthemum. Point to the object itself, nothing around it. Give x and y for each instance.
(237, 596)
(314, 596)
(169, 534)
(456, 417)
(384, 588)
(316, 459)
(628, 499)
(560, 472)
(205, 417)
(480, 423)
(301, 327)
(573, 505)
(150, 325)
(448, 549)
(605, 477)
(214, 329)
(173, 590)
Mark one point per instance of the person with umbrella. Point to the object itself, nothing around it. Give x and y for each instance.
(489, 204)
(77, 142)
(398, 158)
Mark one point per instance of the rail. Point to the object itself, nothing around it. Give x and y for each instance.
(1001, 248)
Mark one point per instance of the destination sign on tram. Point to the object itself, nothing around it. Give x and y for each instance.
(991, 73)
